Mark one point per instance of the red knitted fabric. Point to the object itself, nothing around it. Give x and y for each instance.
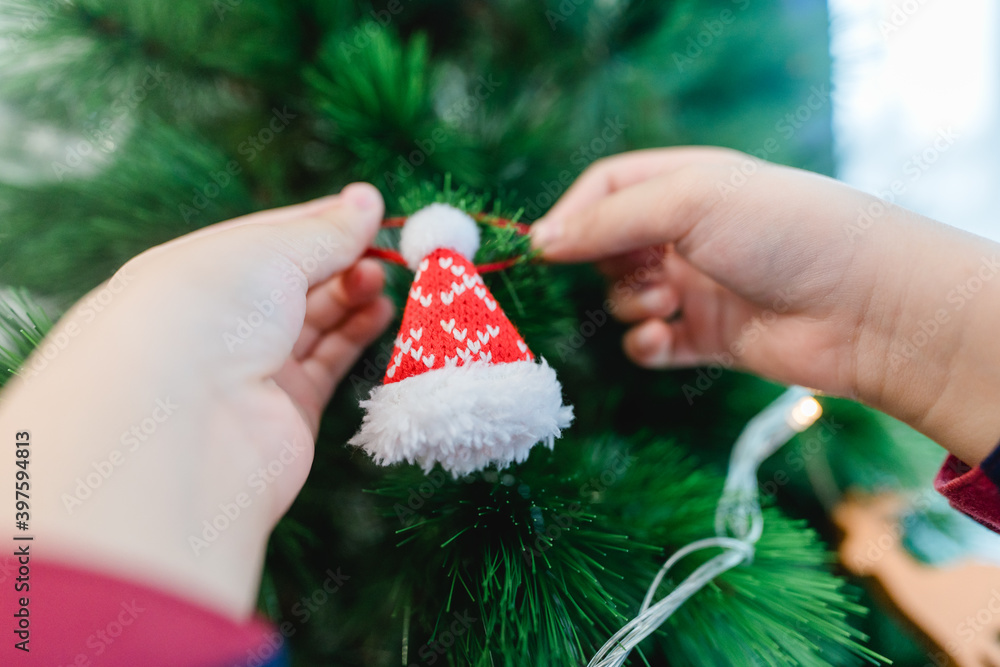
(969, 490)
(451, 318)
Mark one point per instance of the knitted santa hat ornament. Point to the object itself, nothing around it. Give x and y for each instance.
(462, 388)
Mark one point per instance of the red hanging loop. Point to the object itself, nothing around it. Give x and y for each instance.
(398, 221)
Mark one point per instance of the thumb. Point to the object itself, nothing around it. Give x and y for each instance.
(654, 212)
(316, 239)
(325, 237)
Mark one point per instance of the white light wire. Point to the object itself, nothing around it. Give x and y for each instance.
(738, 521)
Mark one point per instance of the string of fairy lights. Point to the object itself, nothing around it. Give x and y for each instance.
(739, 522)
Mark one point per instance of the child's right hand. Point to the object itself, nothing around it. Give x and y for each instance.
(719, 257)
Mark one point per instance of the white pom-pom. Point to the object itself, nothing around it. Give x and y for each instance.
(438, 226)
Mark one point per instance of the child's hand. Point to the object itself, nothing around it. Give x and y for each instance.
(721, 258)
(175, 421)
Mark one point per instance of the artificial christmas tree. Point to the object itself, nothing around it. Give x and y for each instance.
(133, 123)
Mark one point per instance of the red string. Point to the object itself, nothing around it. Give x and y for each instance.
(387, 255)
(398, 221)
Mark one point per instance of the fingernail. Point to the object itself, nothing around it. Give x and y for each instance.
(657, 301)
(646, 342)
(362, 196)
(651, 348)
(545, 232)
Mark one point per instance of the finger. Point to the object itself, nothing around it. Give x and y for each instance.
(304, 244)
(336, 352)
(655, 212)
(638, 266)
(270, 216)
(327, 304)
(609, 175)
(657, 344)
(275, 216)
(327, 242)
(649, 344)
(653, 301)
(285, 213)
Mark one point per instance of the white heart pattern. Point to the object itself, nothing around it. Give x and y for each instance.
(425, 301)
(492, 330)
(424, 264)
(391, 371)
(459, 335)
(469, 280)
(464, 354)
(417, 334)
(521, 346)
(480, 292)
(483, 337)
(486, 356)
(458, 269)
(473, 346)
(447, 298)
(457, 289)
(448, 326)
(415, 292)
(492, 305)
(399, 358)
(445, 262)
(406, 346)
(429, 360)
(416, 354)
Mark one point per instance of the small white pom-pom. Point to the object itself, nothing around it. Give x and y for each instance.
(438, 226)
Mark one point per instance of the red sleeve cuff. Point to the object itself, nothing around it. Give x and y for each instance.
(80, 618)
(970, 491)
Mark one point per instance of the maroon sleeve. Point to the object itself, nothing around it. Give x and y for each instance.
(71, 617)
(971, 490)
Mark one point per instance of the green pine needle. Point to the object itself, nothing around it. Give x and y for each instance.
(23, 325)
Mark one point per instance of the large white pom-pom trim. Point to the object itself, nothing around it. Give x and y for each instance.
(464, 417)
(438, 226)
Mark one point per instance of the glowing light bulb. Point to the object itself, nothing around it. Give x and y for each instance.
(805, 413)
